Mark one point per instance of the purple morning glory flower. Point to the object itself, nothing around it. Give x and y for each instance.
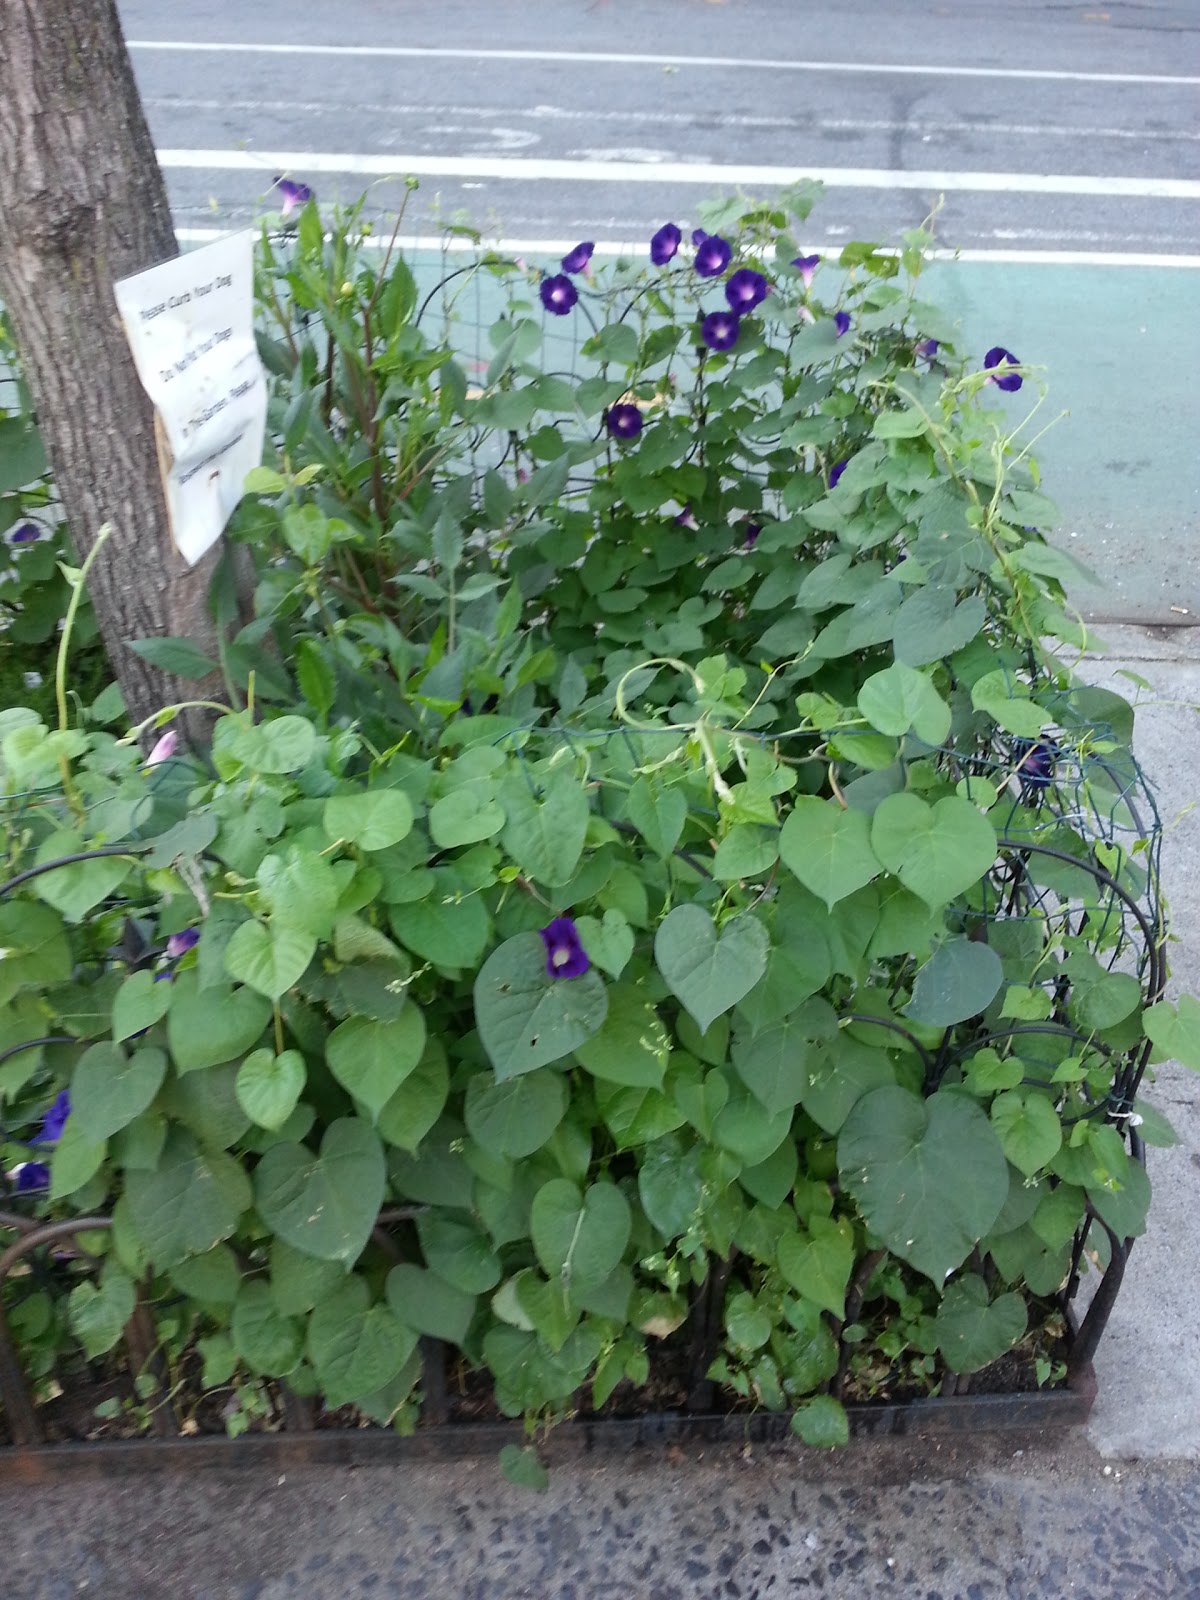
(927, 348)
(719, 330)
(27, 533)
(55, 1119)
(1035, 763)
(686, 518)
(835, 474)
(841, 321)
(806, 266)
(624, 422)
(746, 289)
(664, 244)
(577, 260)
(698, 236)
(713, 255)
(32, 1175)
(1012, 381)
(753, 529)
(565, 955)
(180, 943)
(558, 294)
(293, 195)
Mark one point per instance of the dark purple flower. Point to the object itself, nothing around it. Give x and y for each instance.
(995, 357)
(1035, 763)
(180, 943)
(577, 260)
(713, 255)
(927, 348)
(806, 266)
(565, 955)
(664, 244)
(835, 474)
(753, 529)
(841, 320)
(32, 1175)
(719, 330)
(745, 290)
(698, 236)
(27, 533)
(624, 422)
(292, 195)
(686, 519)
(55, 1119)
(558, 294)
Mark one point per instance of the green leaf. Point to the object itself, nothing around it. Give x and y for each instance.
(899, 699)
(931, 624)
(658, 813)
(1174, 1031)
(139, 1003)
(822, 1422)
(818, 1262)
(315, 677)
(937, 851)
(182, 658)
(520, 1465)
(609, 943)
(98, 1312)
(429, 1304)
(418, 1102)
(269, 959)
(775, 1063)
(958, 981)
(298, 1281)
(840, 1071)
(516, 1117)
(465, 816)
(213, 1278)
(525, 1017)
(189, 1203)
(77, 1157)
(267, 1341)
(302, 891)
(74, 890)
(355, 1347)
(632, 1046)
(707, 972)
(1028, 1128)
(324, 1205)
(219, 1024)
(110, 1089)
(670, 1188)
(907, 423)
(458, 1252)
(579, 1238)
(545, 836)
(1007, 702)
(373, 820)
(828, 848)
(903, 1161)
(371, 1059)
(269, 1085)
(1099, 998)
(972, 1333)
(746, 851)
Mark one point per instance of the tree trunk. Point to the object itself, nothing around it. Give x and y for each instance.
(83, 203)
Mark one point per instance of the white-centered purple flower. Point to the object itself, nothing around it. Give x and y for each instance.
(565, 955)
(806, 266)
(835, 474)
(927, 348)
(55, 1119)
(665, 244)
(687, 519)
(558, 294)
(745, 289)
(291, 195)
(26, 533)
(577, 260)
(164, 749)
(624, 422)
(841, 321)
(998, 356)
(180, 943)
(713, 255)
(719, 330)
(31, 1176)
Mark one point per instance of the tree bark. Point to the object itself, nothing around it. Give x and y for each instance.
(82, 204)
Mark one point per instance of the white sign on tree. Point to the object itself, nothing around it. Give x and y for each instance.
(189, 322)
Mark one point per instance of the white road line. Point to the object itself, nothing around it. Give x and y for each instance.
(536, 249)
(305, 163)
(607, 58)
(674, 119)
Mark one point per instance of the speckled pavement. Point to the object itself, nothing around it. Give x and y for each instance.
(996, 1519)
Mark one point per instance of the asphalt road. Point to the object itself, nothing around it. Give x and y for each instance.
(603, 119)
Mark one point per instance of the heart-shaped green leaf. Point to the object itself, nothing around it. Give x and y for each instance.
(265, 1339)
(269, 1085)
(937, 851)
(270, 959)
(429, 1304)
(356, 1347)
(609, 942)
(960, 978)
(579, 1238)
(929, 1176)
(372, 819)
(110, 1089)
(817, 1262)
(1028, 1127)
(215, 1025)
(774, 1063)
(827, 848)
(899, 699)
(74, 890)
(324, 1205)
(514, 1118)
(139, 1003)
(526, 1018)
(972, 1333)
(188, 1203)
(707, 972)
(658, 813)
(544, 835)
(632, 1046)
(372, 1059)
